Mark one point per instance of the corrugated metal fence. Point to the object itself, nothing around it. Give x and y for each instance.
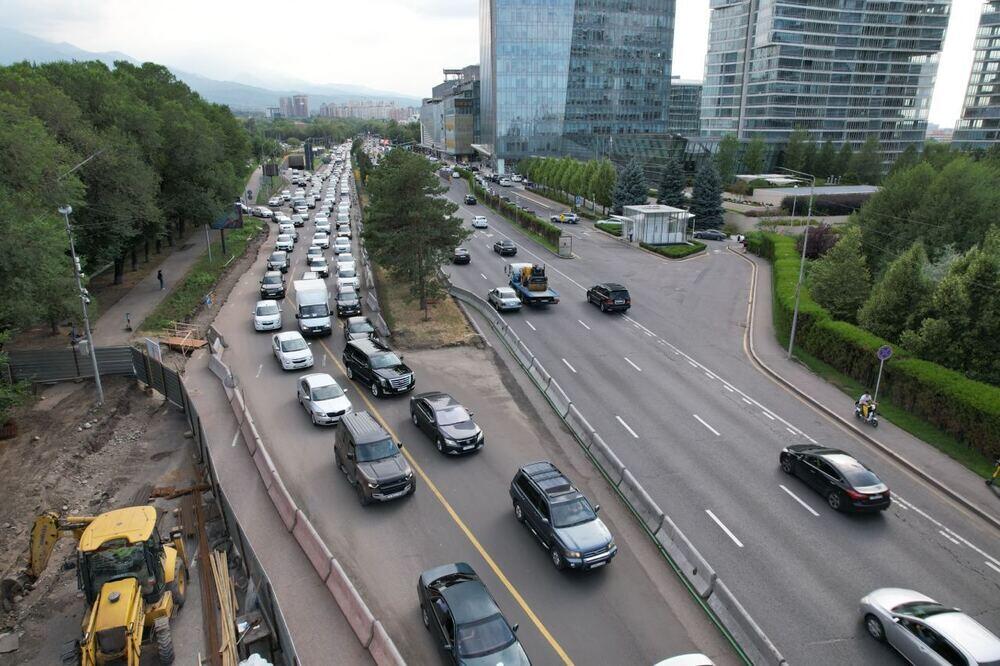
(57, 365)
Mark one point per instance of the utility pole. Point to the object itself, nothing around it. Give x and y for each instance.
(802, 262)
(84, 299)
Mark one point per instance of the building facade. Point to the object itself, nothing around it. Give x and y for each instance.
(371, 109)
(449, 119)
(684, 111)
(563, 77)
(844, 70)
(300, 106)
(286, 107)
(979, 124)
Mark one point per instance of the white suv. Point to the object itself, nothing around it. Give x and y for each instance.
(479, 222)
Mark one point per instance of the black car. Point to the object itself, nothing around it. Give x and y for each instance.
(348, 302)
(610, 297)
(711, 234)
(373, 364)
(446, 422)
(465, 620)
(470, 200)
(846, 484)
(505, 248)
(272, 285)
(461, 256)
(561, 517)
(359, 328)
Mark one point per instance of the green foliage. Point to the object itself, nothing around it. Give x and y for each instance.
(676, 251)
(630, 189)
(843, 162)
(612, 228)
(410, 230)
(899, 296)
(839, 281)
(11, 395)
(796, 156)
(706, 199)
(726, 158)
(603, 181)
(826, 160)
(672, 183)
(866, 164)
(907, 159)
(753, 157)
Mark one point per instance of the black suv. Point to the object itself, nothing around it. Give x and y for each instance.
(561, 517)
(610, 297)
(272, 285)
(505, 248)
(461, 256)
(375, 365)
(371, 461)
(359, 328)
(470, 200)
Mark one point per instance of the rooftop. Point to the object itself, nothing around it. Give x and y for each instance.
(824, 189)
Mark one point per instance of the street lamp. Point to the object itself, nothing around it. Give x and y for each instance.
(84, 300)
(802, 262)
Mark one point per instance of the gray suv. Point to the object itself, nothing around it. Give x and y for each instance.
(561, 517)
(371, 460)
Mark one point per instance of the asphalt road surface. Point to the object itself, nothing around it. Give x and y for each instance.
(633, 611)
(669, 388)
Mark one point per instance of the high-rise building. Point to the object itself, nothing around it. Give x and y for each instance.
(979, 125)
(844, 70)
(685, 107)
(300, 106)
(449, 119)
(565, 76)
(286, 106)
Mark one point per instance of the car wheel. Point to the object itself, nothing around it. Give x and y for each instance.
(425, 617)
(439, 444)
(350, 373)
(835, 500)
(413, 417)
(312, 417)
(604, 308)
(518, 512)
(787, 466)
(557, 559)
(362, 498)
(376, 391)
(875, 628)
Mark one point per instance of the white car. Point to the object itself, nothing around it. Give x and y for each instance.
(479, 222)
(344, 230)
(321, 239)
(516, 178)
(267, 316)
(341, 245)
(687, 660)
(324, 401)
(274, 201)
(344, 259)
(281, 218)
(302, 209)
(286, 195)
(313, 251)
(347, 273)
(284, 243)
(288, 229)
(319, 266)
(291, 350)
(309, 275)
(323, 224)
(504, 299)
(505, 182)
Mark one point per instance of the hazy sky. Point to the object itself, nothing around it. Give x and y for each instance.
(397, 45)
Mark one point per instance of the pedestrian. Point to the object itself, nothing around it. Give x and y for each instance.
(159, 276)
(629, 235)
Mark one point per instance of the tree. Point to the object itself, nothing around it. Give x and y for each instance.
(706, 199)
(899, 297)
(11, 395)
(727, 157)
(886, 230)
(826, 160)
(795, 150)
(630, 189)
(753, 158)
(910, 157)
(811, 158)
(844, 157)
(672, 183)
(587, 179)
(602, 184)
(866, 164)
(821, 239)
(410, 230)
(839, 280)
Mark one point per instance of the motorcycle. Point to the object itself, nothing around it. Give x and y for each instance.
(871, 419)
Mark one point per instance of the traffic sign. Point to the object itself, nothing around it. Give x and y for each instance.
(884, 353)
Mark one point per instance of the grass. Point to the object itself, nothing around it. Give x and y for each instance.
(268, 186)
(676, 251)
(189, 294)
(612, 228)
(920, 429)
(446, 327)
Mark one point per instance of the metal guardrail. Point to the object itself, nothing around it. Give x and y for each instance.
(736, 623)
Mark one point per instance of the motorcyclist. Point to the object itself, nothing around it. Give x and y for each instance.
(864, 403)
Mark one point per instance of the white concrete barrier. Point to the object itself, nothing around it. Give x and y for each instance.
(312, 545)
(351, 604)
(283, 502)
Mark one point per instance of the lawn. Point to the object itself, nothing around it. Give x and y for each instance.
(612, 228)
(676, 251)
(446, 326)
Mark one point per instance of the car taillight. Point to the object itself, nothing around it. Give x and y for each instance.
(856, 495)
(609, 301)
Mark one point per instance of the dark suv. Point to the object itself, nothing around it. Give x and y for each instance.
(371, 363)
(610, 297)
(561, 517)
(272, 285)
(372, 462)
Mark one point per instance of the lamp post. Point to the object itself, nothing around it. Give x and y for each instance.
(802, 262)
(84, 300)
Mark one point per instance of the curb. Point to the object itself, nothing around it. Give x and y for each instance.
(841, 421)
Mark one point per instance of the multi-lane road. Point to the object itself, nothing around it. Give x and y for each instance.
(632, 612)
(669, 388)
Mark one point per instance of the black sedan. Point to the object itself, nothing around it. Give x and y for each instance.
(461, 256)
(711, 234)
(505, 248)
(470, 200)
(465, 619)
(846, 484)
(359, 328)
(446, 422)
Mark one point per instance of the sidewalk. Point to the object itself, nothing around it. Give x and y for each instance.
(109, 329)
(318, 628)
(920, 454)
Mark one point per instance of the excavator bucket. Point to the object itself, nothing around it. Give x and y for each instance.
(44, 534)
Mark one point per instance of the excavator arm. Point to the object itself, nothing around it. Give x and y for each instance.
(46, 531)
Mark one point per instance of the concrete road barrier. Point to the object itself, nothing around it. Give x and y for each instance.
(560, 401)
(607, 459)
(351, 604)
(239, 406)
(538, 374)
(283, 502)
(523, 354)
(728, 607)
(218, 368)
(382, 649)
(695, 568)
(312, 545)
(580, 426)
(650, 513)
(249, 433)
(265, 466)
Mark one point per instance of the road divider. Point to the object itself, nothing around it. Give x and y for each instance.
(739, 628)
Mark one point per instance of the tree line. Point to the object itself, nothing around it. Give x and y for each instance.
(340, 129)
(138, 156)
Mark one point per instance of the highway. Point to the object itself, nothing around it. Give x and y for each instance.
(670, 389)
(633, 611)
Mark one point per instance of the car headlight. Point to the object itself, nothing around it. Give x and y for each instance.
(573, 553)
(409, 475)
(480, 435)
(372, 485)
(382, 381)
(449, 441)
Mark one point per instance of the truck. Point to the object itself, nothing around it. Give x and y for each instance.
(530, 283)
(312, 307)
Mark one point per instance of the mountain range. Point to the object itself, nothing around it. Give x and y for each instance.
(16, 46)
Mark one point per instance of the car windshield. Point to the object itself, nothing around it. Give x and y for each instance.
(478, 639)
(361, 327)
(328, 392)
(278, 256)
(347, 295)
(921, 609)
(567, 514)
(858, 476)
(452, 415)
(347, 273)
(385, 448)
(385, 360)
(318, 310)
(295, 344)
(506, 293)
(272, 279)
(269, 309)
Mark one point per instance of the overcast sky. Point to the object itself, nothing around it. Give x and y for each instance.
(396, 45)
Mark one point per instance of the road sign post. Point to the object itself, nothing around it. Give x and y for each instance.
(884, 354)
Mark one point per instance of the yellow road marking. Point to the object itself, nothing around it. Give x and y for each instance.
(458, 521)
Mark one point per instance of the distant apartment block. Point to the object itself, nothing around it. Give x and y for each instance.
(300, 105)
(449, 119)
(684, 112)
(979, 124)
(369, 110)
(287, 107)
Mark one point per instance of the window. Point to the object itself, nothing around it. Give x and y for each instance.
(827, 469)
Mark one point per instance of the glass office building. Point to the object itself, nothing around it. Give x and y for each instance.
(563, 77)
(979, 125)
(684, 108)
(844, 70)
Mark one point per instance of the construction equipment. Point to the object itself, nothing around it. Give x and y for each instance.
(133, 580)
(531, 284)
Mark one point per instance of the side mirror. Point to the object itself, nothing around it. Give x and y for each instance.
(298, 316)
(399, 444)
(350, 455)
(515, 627)
(471, 414)
(597, 508)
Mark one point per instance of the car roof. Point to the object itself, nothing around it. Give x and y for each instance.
(505, 241)
(469, 601)
(272, 273)
(549, 479)
(265, 301)
(973, 637)
(357, 320)
(505, 290)
(363, 427)
(288, 335)
(368, 346)
(438, 400)
(318, 379)
(613, 286)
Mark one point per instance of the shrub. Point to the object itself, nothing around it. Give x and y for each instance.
(612, 228)
(829, 204)
(758, 183)
(676, 251)
(738, 187)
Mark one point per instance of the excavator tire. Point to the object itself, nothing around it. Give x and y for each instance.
(178, 591)
(164, 641)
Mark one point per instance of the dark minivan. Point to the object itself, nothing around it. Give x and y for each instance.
(610, 297)
(373, 364)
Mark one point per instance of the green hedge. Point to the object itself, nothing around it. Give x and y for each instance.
(612, 228)
(964, 408)
(676, 251)
(548, 232)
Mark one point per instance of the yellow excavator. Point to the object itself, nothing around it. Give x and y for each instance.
(134, 580)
